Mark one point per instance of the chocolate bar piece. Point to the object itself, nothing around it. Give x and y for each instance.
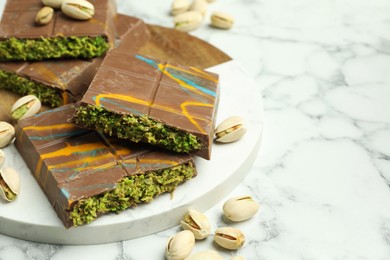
(145, 100)
(63, 37)
(85, 175)
(57, 82)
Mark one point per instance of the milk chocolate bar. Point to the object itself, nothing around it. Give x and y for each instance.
(61, 82)
(85, 175)
(146, 100)
(63, 37)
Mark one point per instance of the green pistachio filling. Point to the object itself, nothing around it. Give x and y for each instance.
(136, 128)
(23, 86)
(53, 47)
(131, 191)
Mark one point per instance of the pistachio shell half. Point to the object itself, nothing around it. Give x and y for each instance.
(229, 238)
(197, 223)
(230, 130)
(240, 208)
(187, 21)
(9, 184)
(2, 158)
(25, 106)
(7, 133)
(78, 9)
(180, 245)
(180, 6)
(205, 255)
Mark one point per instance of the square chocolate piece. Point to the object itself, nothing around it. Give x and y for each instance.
(85, 175)
(63, 37)
(142, 99)
(58, 82)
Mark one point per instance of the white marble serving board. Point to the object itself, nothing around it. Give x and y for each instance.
(31, 216)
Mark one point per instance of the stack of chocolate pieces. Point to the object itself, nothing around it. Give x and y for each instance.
(133, 134)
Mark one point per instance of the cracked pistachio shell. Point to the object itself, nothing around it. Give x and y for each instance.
(7, 133)
(240, 208)
(44, 15)
(180, 6)
(9, 184)
(197, 223)
(200, 6)
(180, 245)
(230, 130)
(52, 3)
(222, 20)
(78, 9)
(229, 238)
(205, 255)
(187, 21)
(25, 106)
(2, 158)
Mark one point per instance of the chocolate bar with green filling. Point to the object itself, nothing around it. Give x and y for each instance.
(63, 37)
(85, 175)
(58, 82)
(142, 99)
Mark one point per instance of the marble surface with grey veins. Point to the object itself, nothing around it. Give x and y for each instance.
(323, 173)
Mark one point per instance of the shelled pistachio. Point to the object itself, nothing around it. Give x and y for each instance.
(180, 6)
(25, 106)
(222, 20)
(44, 16)
(229, 238)
(230, 130)
(180, 245)
(187, 21)
(7, 133)
(9, 184)
(197, 223)
(240, 208)
(52, 3)
(78, 9)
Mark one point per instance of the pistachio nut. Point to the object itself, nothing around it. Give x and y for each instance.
(78, 9)
(2, 158)
(187, 21)
(230, 130)
(25, 106)
(7, 133)
(44, 15)
(180, 6)
(205, 255)
(240, 208)
(222, 20)
(200, 6)
(180, 245)
(229, 238)
(197, 223)
(52, 3)
(9, 184)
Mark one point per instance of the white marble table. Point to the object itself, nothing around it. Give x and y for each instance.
(323, 173)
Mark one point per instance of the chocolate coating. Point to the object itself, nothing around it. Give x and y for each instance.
(72, 77)
(184, 98)
(70, 163)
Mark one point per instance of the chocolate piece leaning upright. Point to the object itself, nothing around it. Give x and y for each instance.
(61, 82)
(145, 100)
(63, 37)
(84, 175)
